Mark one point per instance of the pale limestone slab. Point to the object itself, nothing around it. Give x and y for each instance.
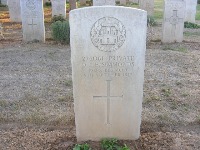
(33, 20)
(103, 2)
(173, 21)
(4, 2)
(58, 8)
(191, 9)
(14, 10)
(147, 5)
(108, 46)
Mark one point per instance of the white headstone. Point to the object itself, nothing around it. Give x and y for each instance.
(103, 2)
(33, 20)
(58, 7)
(108, 55)
(4, 2)
(191, 9)
(147, 5)
(173, 22)
(14, 10)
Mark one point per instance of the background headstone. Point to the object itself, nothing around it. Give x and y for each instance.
(191, 9)
(58, 8)
(72, 4)
(173, 21)
(4, 2)
(108, 55)
(103, 2)
(147, 5)
(32, 20)
(14, 10)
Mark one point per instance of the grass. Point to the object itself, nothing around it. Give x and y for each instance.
(158, 9)
(177, 48)
(166, 92)
(187, 33)
(198, 12)
(66, 98)
(68, 83)
(33, 110)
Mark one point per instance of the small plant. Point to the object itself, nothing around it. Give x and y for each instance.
(68, 83)
(112, 144)
(82, 147)
(198, 1)
(1, 5)
(48, 4)
(124, 148)
(151, 21)
(166, 92)
(61, 31)
(109, 144)
(191, 25)
(58, 18)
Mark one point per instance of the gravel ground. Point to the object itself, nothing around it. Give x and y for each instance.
(36, 104)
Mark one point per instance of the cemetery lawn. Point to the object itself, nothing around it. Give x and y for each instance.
(36, 100)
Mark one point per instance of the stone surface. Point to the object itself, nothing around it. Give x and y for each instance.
(4, 2)
(191, 9)
(108, 46)
(32, 20)
(58, 7)
(173, 22)
(147, 5)
(103, 2)
(73, 4)
(14, 10)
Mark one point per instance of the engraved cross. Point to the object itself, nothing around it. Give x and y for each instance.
(32, 24)
(174, 20)
(109, 97)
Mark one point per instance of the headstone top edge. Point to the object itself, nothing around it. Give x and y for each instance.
(106, 6)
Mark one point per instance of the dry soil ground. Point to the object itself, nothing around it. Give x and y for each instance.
(36, 104)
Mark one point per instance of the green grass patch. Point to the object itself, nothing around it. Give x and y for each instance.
(191, 33)
(61, 31)
(198, 12)
(158, 9)
(178, 48)
(191, 25)
(82, 147)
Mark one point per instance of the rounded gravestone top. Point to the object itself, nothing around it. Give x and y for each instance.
(108, 34)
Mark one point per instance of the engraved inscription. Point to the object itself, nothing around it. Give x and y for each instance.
(108, 66)
(108, 34)
(108, 97)
(174, 19)
(31, 4)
